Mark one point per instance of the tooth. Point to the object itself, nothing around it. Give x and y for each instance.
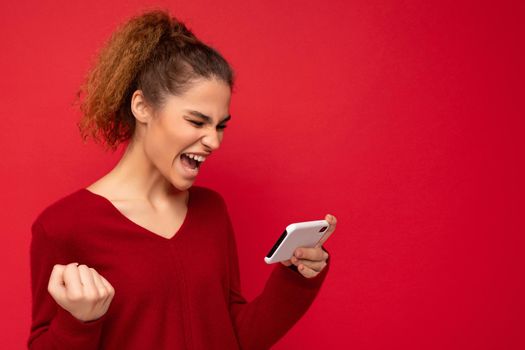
(196, 157)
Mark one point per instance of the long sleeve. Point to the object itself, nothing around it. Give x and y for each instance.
(52, 327)
(286, 297)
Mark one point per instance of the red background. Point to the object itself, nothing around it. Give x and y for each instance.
(404, 119)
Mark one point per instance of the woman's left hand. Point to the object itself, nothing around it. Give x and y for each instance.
(311, 261)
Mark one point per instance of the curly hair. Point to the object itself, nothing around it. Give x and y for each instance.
(152, 52)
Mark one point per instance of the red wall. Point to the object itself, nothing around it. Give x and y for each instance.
(401, 118)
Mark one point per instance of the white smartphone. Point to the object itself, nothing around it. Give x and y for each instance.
(299, 234)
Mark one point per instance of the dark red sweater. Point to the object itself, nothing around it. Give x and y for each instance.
(178, 293)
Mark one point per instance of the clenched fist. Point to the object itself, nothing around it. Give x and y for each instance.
(80, 290)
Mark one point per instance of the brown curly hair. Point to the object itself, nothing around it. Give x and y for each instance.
(152, 52)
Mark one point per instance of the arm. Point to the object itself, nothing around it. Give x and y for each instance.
(52, 327)
(286, 297)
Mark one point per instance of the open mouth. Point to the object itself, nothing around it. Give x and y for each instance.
(189, 163)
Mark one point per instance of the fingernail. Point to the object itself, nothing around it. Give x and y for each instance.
(298, 254)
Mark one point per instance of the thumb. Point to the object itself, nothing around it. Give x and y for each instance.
(56, 286)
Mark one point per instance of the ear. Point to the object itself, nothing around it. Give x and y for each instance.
(139, 107)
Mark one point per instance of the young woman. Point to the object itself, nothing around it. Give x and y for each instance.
(140, 259)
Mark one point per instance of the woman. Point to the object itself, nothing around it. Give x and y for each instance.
(140, 259)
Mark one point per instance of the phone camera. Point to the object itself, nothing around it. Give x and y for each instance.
(323, 229)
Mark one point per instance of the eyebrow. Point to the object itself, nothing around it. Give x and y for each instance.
(205, 117)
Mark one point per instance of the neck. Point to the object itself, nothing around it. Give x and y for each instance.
(136, 177)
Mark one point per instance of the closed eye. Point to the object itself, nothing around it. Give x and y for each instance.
(196, 123)
(201, 124)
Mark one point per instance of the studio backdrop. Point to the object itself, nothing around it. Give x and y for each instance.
(401, 118)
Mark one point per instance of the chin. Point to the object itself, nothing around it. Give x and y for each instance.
(182, 184)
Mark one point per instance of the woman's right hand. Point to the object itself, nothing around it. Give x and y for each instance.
(80, 290)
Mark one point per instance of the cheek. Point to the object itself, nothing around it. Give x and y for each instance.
(159, 146)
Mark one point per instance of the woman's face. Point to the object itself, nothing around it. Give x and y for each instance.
(190, 123)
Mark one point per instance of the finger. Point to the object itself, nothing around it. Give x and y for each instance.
(72, 282)
(108, 286)
(102, 291)
(110, 289)
(306, 271)
(88, 285)
(317, 266)
(286, 262)
(332, 221)
(314, 254)
(55, 285)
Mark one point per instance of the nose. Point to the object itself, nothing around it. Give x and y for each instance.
(212, 140)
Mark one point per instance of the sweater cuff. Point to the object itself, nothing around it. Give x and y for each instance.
(75, 331)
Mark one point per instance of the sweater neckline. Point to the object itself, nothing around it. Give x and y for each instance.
(142, 228)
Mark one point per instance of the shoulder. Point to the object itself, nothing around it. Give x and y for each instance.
(213, 211)
(210, 202)
(207, 194)
(58, 213)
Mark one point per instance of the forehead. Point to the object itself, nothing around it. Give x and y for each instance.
(204, 95)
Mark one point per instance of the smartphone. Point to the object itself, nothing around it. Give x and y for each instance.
(300, 234)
